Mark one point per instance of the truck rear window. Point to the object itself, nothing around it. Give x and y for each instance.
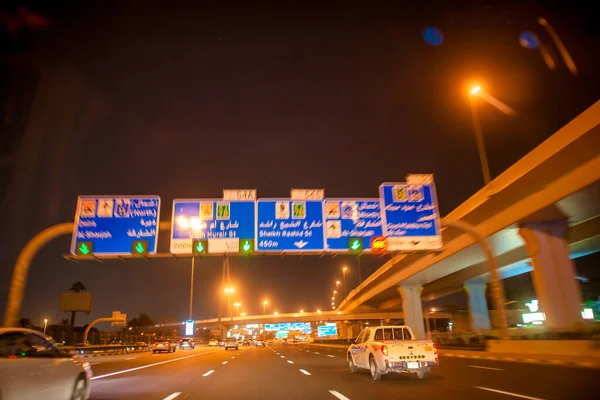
(383, 334)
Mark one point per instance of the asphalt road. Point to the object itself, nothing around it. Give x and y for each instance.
(311, 372)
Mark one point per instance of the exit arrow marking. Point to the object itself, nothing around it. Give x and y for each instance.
(139, 248)
(246, 246)
(199, 247)
(355, 245)
(84, 249)
(300, 244)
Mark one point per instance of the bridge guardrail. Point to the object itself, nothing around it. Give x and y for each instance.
(105, 350)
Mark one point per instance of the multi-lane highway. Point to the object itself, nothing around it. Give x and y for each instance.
(314, 372)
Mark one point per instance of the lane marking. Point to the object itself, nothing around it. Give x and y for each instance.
(305, 372)
(224, 362)
(209, 372)
(290, 361)
(509, 393)
(232, 357)
(282, 356)
(147, 366)
(481, 367)
(338, 395)
(316, 352)
(308, 351)
(130, 358)
(172, 396)
(329, 355)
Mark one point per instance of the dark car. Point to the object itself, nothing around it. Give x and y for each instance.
(231, 344)
(186, 343)
(164, 345)
(246, 343)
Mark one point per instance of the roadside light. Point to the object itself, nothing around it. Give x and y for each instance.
(337, 283)
(475, 89)
(335, 292)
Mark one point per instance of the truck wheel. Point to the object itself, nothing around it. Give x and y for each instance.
(422, 374)
(375, 374)
(351, 365)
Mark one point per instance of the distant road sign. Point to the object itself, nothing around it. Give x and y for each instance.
(327, 330)
(222, 222)
(351, 218)
(290, 225)
(410, 216)
(113, 225)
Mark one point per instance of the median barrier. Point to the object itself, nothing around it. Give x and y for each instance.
(107, 350)
(589, 348)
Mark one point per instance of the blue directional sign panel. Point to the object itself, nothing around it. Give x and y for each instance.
(113, 225)
(410, 216)
(289, 326)
(351, 218)
(327, 330)
(222, 222)
(290, 225)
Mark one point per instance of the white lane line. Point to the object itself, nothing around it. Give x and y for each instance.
(305, 372)
(277, 353)
(147, 366)
(509, 393)
(338, 395)
(316, 352)
(481, 367)
(329, 355)
(172, 396)
(131, 358)
(224, 362)
(290, 361)
(232, 357)
(94, 364)
(282, 356)
(209, 372)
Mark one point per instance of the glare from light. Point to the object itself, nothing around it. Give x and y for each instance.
(275, 313)
(196, 224)
(335, 292)
(337, 283)
(318, 311)
(345, 269)
(301, 311)
(265, 302)
(182, 222)
(229, 290)
(243, 314)
(333, 298)
(475, 90)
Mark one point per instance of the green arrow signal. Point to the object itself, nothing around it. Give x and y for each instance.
(83, 249)
(355, 245)
(246, 247)
(139, 248)
(199, 247)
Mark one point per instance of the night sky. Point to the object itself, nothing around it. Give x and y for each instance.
(134, 97)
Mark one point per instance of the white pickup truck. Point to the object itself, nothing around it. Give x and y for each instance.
(386, 349)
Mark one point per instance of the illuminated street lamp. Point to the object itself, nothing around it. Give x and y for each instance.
(265, 307)
(45, 325)
(301, 311)
(318, 311)
(243, 314)
(333, 298)
(237, 308)
(335, 292)
(337, 283)
(275, 313)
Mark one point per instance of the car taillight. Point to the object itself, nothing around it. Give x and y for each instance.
(384, 350)
(435, 351)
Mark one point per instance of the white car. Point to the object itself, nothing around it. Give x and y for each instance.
(32, 367)
(392, 349)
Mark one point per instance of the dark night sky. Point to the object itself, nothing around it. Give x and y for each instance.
(183, 101)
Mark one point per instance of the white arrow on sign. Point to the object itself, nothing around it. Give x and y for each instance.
(300, 244)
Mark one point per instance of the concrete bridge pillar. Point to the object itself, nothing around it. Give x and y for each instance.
(554, 275)
(413, 308)
(478, 309)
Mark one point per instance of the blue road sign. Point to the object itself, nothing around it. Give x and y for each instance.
(351, 218)
(327, 330)
(410, 216)
(290, 225)
(111, 225)
(222, 222)
(289, 326)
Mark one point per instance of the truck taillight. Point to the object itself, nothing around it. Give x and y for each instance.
(384, 350)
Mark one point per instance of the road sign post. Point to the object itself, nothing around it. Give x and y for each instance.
(410, 216)
(289, 225)
(221, 224)
(116, 225)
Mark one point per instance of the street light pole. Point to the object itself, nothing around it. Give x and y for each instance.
(45, 325)
(344, 279)
(265, 307)
(485, 167)
(192, 288)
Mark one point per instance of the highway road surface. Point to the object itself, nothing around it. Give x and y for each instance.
(303, 371)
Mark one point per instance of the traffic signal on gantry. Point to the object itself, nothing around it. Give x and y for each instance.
(139, 247)
(246, 246)
(199, 247)
(355, 245)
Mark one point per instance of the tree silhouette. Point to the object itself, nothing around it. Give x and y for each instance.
(78, 287)
(25, 322)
